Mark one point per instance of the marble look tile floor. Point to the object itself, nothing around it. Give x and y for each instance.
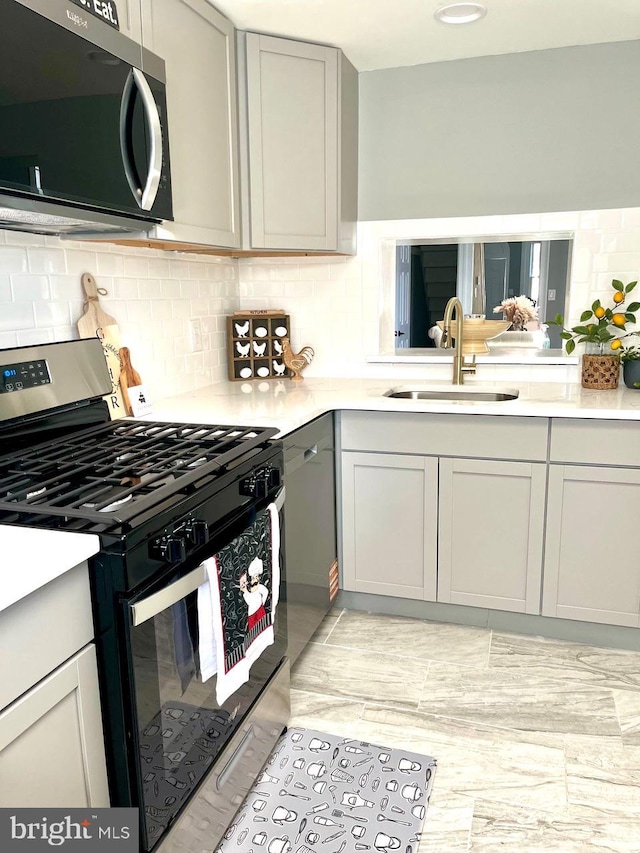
(537, 741)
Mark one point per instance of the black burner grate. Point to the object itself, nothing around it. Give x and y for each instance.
(109, 474)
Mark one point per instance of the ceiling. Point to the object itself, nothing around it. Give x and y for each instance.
(392, 33)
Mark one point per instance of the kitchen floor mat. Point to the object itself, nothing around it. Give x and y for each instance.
(320, 793)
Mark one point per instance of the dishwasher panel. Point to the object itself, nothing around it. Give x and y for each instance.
(310, 529)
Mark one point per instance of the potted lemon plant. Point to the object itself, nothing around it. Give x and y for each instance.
(603, 331)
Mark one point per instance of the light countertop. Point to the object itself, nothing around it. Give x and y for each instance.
(288, 405)
(33, 558)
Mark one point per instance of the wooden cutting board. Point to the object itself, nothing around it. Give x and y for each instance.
(95, 322)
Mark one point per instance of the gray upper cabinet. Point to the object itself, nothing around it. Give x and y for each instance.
(130, 17)
(300, 123)
(198, 46)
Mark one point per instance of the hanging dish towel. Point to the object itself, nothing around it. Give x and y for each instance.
(182, 644)
(237, 605)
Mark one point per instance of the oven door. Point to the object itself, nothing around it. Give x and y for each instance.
(179, 735)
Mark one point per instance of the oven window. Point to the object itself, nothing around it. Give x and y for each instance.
(180, 727)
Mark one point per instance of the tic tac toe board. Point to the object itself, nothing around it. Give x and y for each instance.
(255, 345)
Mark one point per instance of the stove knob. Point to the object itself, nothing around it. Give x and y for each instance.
(197, 533)
(262, 485)
(275, 478)
(248, 486)
(171, 549)
(175, 549)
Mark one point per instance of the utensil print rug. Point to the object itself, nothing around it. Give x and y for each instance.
(320, 793)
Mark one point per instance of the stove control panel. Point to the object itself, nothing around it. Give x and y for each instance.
(175, 544)
(26, 374)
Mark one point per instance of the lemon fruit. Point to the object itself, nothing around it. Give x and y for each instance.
(615, 344)
(618, 297)
(618, 319)
(599, 312)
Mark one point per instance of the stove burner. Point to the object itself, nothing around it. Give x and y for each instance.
(107, 475)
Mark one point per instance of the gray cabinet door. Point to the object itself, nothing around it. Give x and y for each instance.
(198, 46)
(293, 124)
(389, 524)
(130, 17)
(51, 744)
(586, 577)
(491, 530)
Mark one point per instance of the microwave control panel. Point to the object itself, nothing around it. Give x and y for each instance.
(26, 374)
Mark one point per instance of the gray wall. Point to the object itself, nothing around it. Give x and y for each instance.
(526, 132)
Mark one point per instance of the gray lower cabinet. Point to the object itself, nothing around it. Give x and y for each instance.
(389, 524)
(51, 746)
(198, 46)
(301, 130)
(491, 532)
(590, 510)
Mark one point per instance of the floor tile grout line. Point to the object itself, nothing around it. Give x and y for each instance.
(390, 654)
(326, 639)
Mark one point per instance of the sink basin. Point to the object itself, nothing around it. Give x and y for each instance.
(456, 392)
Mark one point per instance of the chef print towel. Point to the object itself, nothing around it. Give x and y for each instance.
(237, 604)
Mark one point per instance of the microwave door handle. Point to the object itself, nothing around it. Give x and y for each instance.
(145, 197)
(125, 101)
(155, 135)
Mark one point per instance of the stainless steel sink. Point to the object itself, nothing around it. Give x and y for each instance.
(456, 392)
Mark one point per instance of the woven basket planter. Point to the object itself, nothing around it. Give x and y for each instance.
(601, 372)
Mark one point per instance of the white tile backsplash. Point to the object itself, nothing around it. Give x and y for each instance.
(343, 307)
(30, 288)
(13, 260)
(150, 294)
(16, 316)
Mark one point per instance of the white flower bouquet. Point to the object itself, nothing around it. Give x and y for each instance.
(519, 310)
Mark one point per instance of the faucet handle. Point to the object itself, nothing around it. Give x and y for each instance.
(469, 366)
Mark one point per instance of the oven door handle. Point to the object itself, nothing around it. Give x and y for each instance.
(155, 603)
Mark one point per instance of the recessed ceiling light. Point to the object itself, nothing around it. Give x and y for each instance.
(460, 13)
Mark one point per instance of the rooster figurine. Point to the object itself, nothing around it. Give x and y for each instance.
(296, 361)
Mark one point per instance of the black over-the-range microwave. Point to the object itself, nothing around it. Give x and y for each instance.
(83, 124)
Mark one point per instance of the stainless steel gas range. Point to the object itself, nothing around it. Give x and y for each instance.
(163, 498)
